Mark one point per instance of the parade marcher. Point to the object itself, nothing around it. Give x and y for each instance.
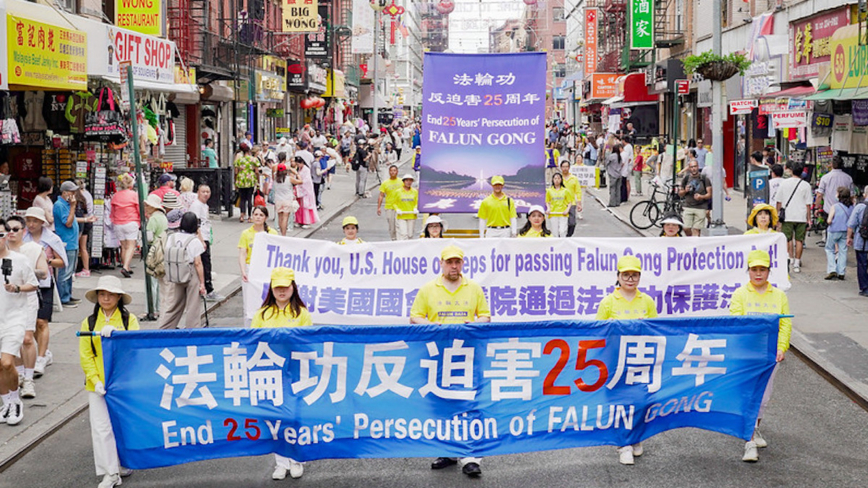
(184, 297)
(793, 203)
(206, 233)
(66, 227)
(285, 203)
(763, 218)
(406, 211)
(558, 202)
(13, 323)
(614, 165)
(283, 307)
(696, 190)
(571, 182)
(109, 314)
(388, 193)
(627, 303)
(350, 225)
(859, 243)
(672, 225)
(758, 296)
(245, 243)
(553, 157)
(836, 238)
(451, 299)
(434, 227)
(536, 223)
(497, 214)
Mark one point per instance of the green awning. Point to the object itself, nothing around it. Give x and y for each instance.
(840, 94)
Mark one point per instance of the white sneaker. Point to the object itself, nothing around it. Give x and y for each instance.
(124, 472)
(637, 449)
(579, 215)
(4, 412)
(28, 390)
(625, 455)
(296, 469)
(15, 414)
(279, 473)
(110, 480)
(758, 439)
(750, 454)
(21, 378)
(49, 358)
(797, 266)
(39, 368)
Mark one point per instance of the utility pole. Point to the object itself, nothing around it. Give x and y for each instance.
(718, 227)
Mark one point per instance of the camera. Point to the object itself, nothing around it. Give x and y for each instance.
(7, 269)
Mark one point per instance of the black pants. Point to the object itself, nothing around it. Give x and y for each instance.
(862, 270)
(246, 206)
(398, 150)
(206, 267)
(317, 190)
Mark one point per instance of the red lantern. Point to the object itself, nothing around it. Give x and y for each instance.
(319, 103)
(446, 7)
(306, 103)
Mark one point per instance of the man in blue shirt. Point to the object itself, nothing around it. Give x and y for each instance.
(66, 227)
(210, 154)
(859, 244)
(701, 152)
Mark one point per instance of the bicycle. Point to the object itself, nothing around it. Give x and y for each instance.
(648, 213)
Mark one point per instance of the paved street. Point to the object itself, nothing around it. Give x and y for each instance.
(816, 435)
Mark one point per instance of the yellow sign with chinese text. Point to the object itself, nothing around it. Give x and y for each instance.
(45, 56)
(142, 16)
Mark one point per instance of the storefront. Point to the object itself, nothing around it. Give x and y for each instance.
(634, 105)
(598, 88)
(317, 78)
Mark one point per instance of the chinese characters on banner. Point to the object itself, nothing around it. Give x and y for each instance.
(591, 41)
(363, 27)
(142, 16)
(45, 55)
(456, 390)
(524, 279)
(300, 16)
(483, 116)
(811, 42)
(641, 24)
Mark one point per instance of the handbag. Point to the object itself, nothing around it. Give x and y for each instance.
(259, 199)
(105, 123)
(271, 195)
(782, 215)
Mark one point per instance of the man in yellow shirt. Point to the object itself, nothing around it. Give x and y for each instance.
(388, 192)
(497, 216)
(451, 299)
(406, 200)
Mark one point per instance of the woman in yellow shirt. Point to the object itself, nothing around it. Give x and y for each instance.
(350, 225)
(109, 313)
(758, 296)
(536, 223)
(672, 225)
(259, 217)
(626, 303)
(763, 219)
(283, 307)
(558, 201)
(406, 200)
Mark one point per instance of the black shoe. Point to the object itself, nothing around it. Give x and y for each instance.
(863, 293)
(832, 276)
(126, 273)
(841, 277)
(70, 304)
(74, 301)
(443, 462)
(472, 469)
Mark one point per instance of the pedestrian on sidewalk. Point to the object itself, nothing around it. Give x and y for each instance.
(359, 163)
(763, 219)
(836, 235)
(25, 364)
(857, 238)
(497, 214)
(672, 225)
(406, 209)
(388, 193)
(45, 187)
(125, 221)
(85, 217)
(285, 203)
(614, 165)
(696, 190)
(755, 296)
(417, 162)
(187, 197)
(183, 296)
(157, 226)
(434, 227)
(536, 223)
(627, 303)
(793, 203)
(67, 229)
(109, 314)
(245, 249)
(166, 184)
(318, 175)
(306, 214)
(245, 181)
(283, 307)
(627, 158)
(206, 234)
(350, 226)
(559, 201)
(827, 189)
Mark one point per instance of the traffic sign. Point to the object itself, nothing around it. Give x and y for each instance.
(682, 87)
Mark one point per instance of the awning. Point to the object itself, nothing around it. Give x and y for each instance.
(159, 87)
(840, 94)
(630, 104)
(612, 100)
(633, 88)
(794, 92)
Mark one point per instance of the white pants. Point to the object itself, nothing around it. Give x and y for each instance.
(404, 228)
(492, 232)
(467, 460)
(391, 216)
(282, 461)
(767, 394)
(105, 450)
(558, 225)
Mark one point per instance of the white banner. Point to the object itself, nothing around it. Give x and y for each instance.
(781, 120)
(741, 107)
(152, 58)
(524, 279)
(363, 27)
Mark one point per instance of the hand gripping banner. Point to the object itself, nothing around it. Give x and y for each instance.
(407, 391)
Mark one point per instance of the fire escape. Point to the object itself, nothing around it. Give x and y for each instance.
(612, 28)
(668, 25)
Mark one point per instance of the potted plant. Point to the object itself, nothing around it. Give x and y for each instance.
(714, 67)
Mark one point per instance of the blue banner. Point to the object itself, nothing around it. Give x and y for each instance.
(408, 391)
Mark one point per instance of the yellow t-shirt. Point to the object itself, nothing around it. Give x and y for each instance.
(406, 201)
(572, 184)
(497, 212)
(246, 240)
(92, 364)
(533, 233)
(344, 241)
(280, 318)
(746, 301)
(757, 230)
(389, 188)
(615, 306)
(557, 157)
(438, 304)
(558, 201)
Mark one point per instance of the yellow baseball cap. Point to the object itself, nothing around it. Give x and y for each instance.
(450, 252)
(629, 263)
(758, 257)
(496, 180)
(282, 277)
(349, 220)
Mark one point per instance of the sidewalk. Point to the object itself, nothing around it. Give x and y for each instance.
(60, 393)
(829, 329)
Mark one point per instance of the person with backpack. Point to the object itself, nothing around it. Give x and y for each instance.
(109, 314)
(857, 238)
(156, 228)
(185, 275)
(793, 203)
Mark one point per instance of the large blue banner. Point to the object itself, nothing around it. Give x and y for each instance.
(406, 391)
(483, 115)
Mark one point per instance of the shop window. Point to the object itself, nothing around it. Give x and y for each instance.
(558, 42)
(558, 14)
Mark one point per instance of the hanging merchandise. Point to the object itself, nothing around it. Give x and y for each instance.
(54, 112)
(860, 112)
(80, 104)
(33, 121)
(106, 123)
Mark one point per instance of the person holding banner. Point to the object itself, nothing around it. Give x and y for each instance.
(497, 216)
(388, 192)
(763, 219)
(245, 246)
(536, 223)
(109, 313)
(406, 201)
(559, 201)
(434, 227)
(672, 225)
(628, 303)
(351, 231)
(575, 187)
(759, 297)
(451, 299)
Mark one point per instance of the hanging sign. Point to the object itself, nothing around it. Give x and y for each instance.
(300, 16)
(317, 44)
(363, 28)
(741, 107)
(142, 16)
(45, 56)
(591, 40)
(641, 24)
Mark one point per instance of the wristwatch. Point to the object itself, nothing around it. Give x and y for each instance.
(17, 289)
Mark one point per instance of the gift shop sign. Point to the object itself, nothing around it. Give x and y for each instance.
(810, 42)
(45, 56)
(152, 58)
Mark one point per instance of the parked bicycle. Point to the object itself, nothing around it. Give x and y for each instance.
(648, 213)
